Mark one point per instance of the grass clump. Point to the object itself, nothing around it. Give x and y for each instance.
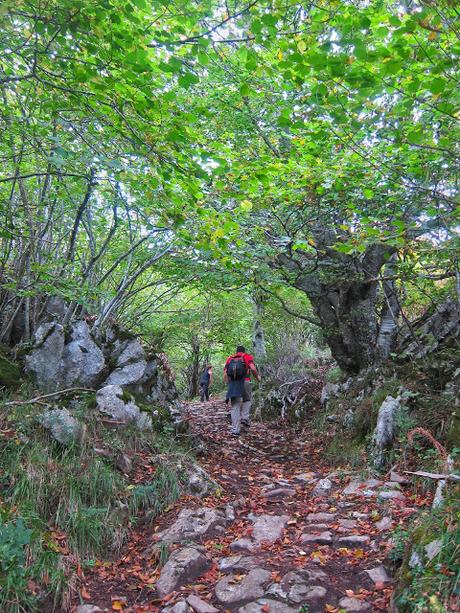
(433, 585)
(61, 505)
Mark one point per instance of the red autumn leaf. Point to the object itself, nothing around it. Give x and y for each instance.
(85, 594)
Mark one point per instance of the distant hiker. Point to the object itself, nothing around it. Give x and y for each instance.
(237, 374)
(205, 382)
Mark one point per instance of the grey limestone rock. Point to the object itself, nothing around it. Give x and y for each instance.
(83, 362)
(325, 538)
(384, 432)
(127, 375)
(201, 606)
(358, 488)
(110, 400)
(268, 528)
(329, 390)
(64, 428)
(433, 549)
(259, 606)
(236, 563)
(231, 592)
(194, 525)
(321, 517)
(354, 540)
(199, 483)
(132, 352)
(322, 487)
(391, 495)
(378, 574)
(44, 361)
(183, 565)
(179, 607)
(384, 524)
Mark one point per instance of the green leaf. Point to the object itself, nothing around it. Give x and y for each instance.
(436, 86)
(188, 79)
(415, 137)
(245, 90)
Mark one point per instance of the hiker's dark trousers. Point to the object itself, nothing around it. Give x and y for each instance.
(204, 391)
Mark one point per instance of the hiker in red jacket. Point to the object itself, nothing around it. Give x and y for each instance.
(237, 374)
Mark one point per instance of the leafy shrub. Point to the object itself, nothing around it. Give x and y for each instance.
(15, 537)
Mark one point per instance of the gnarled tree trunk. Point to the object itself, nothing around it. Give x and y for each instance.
(344, 292)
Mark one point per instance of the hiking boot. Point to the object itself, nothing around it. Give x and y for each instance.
(245, 423)
(236, 433)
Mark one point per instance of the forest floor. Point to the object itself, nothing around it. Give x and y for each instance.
(328, 527)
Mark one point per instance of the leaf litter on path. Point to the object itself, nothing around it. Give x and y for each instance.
(267, 455)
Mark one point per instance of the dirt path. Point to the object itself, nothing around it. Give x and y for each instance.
(282, 534)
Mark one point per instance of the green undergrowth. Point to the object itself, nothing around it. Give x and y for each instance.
(429, 586)
(63, 505)
(9, 373)
(428, 404)
(347, 424)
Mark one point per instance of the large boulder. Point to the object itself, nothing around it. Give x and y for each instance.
(57, 365)
(113, 401)
(82, 360)
(84, 356)
(183, 566)
(127, 375)
(44, 361)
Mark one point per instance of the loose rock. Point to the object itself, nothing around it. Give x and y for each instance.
(384, 524)
(322, 487)
(392, 495)
(64, 428)
(231, 593)
(179, 607)
(236, 563)
(354, 540)
(201, 606)
(194, 525)
(280, 492)
(378, 574)
(261, 606)
(325, 538)
(183, 565)
(433, 549)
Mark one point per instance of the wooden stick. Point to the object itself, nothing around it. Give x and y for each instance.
(37, 399)
(421, 473)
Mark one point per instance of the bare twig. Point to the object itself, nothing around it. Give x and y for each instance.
(37, 399)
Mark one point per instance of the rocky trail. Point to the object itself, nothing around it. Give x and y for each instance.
(282, 533)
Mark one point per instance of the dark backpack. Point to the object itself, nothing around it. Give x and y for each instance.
(205, 377)
(236, 368)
